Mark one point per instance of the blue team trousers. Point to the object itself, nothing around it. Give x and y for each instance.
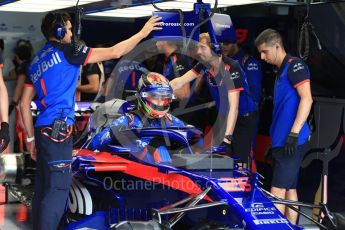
(52, 181)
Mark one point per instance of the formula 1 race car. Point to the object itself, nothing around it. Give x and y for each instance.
(117, 189)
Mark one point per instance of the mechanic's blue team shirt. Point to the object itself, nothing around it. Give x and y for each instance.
(53, 73)
(229, 79)
(176, 65)
(293, 73)
(104, 138)
(126, 75)
(253, 74)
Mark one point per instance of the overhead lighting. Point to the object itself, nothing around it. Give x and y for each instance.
(121, 15)
(184, 5)
(42, 5)
(142, 11)
(28, 10)
(130, 12)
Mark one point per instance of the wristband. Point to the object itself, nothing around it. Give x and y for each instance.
(30, 139)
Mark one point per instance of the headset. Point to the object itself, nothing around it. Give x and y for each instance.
(216, 49)
(59, 26)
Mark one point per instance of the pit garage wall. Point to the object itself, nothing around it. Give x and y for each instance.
(19, 25)
(328, 65)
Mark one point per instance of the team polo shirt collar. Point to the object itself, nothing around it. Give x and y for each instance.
(173, 55)
(285, 60)
(221, 70)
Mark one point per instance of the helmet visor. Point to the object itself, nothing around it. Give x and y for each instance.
(158, 97)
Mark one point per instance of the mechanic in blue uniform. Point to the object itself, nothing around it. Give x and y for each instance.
(174, 65)
(124, 79)
(247, 119)
(4, 131)
(250, 65)
(224, 78)
(154, 95)
(53, 75)
(291, 106)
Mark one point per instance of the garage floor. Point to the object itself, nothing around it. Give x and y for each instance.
(13, 215)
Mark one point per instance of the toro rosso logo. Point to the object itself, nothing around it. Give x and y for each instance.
(235, 75)
(179, 67)
(252, 66)
(297, 67)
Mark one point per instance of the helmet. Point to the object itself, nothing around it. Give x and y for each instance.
(154, 94)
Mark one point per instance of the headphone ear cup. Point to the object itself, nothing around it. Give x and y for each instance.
(59, 31)
(216, 49)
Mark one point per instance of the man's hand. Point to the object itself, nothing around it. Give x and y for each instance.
(4, 136)
(32, 150)
(228, 147)
(153, 23)
(291, 143)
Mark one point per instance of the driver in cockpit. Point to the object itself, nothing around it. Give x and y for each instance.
(154, 95)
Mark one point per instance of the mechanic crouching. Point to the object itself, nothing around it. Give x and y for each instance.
(154, 95)
(53, 75)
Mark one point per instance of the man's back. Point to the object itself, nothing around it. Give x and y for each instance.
(53, 73)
